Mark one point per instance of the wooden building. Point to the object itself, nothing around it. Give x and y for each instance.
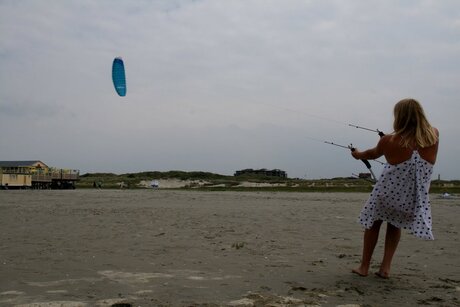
(36, 175)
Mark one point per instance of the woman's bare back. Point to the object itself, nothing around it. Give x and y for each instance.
(395, 153)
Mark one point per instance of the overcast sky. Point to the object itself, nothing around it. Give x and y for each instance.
(221, 86)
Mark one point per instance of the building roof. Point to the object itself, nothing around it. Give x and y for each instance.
(20, 163)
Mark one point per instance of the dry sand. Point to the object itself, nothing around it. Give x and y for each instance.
(191, 248)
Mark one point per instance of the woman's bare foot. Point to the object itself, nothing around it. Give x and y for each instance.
(382, 275)
(361, 272)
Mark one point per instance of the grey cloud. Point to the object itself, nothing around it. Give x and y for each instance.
(256, 77)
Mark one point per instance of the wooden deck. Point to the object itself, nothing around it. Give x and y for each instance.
(54, 176)
(46, 179)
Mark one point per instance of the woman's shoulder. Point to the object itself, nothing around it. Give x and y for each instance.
(390, 140)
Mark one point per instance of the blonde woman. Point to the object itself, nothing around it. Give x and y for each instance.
(400, 197)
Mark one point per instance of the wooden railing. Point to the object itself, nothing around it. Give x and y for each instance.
(43, 175)
(41, 178)
(64, 176)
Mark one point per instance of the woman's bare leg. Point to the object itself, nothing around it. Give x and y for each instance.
(371, 236)
(391, 243)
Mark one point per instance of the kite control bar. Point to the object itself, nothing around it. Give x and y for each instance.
(380, 133)
(331, 143)
(368, 165)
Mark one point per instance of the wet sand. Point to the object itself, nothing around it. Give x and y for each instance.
(191, 248)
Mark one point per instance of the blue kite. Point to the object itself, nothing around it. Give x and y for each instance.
(118, 76)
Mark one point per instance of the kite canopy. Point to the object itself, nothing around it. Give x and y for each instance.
(118, 76)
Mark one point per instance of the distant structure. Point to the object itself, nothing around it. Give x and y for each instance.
(365, 176)
(35, 175)
(263, 172)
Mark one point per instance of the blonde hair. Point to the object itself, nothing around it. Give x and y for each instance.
(411, 124)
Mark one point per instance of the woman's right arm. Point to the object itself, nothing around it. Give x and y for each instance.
(372, 153)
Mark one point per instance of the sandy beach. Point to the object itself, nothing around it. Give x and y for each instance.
(192, 248)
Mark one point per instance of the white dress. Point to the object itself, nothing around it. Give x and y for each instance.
(400, 197)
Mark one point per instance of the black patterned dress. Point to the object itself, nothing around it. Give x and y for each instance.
(400, 197)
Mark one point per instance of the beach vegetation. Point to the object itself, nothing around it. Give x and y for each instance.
(248, 182)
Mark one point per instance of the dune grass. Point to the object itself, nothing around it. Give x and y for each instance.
(206, 181)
